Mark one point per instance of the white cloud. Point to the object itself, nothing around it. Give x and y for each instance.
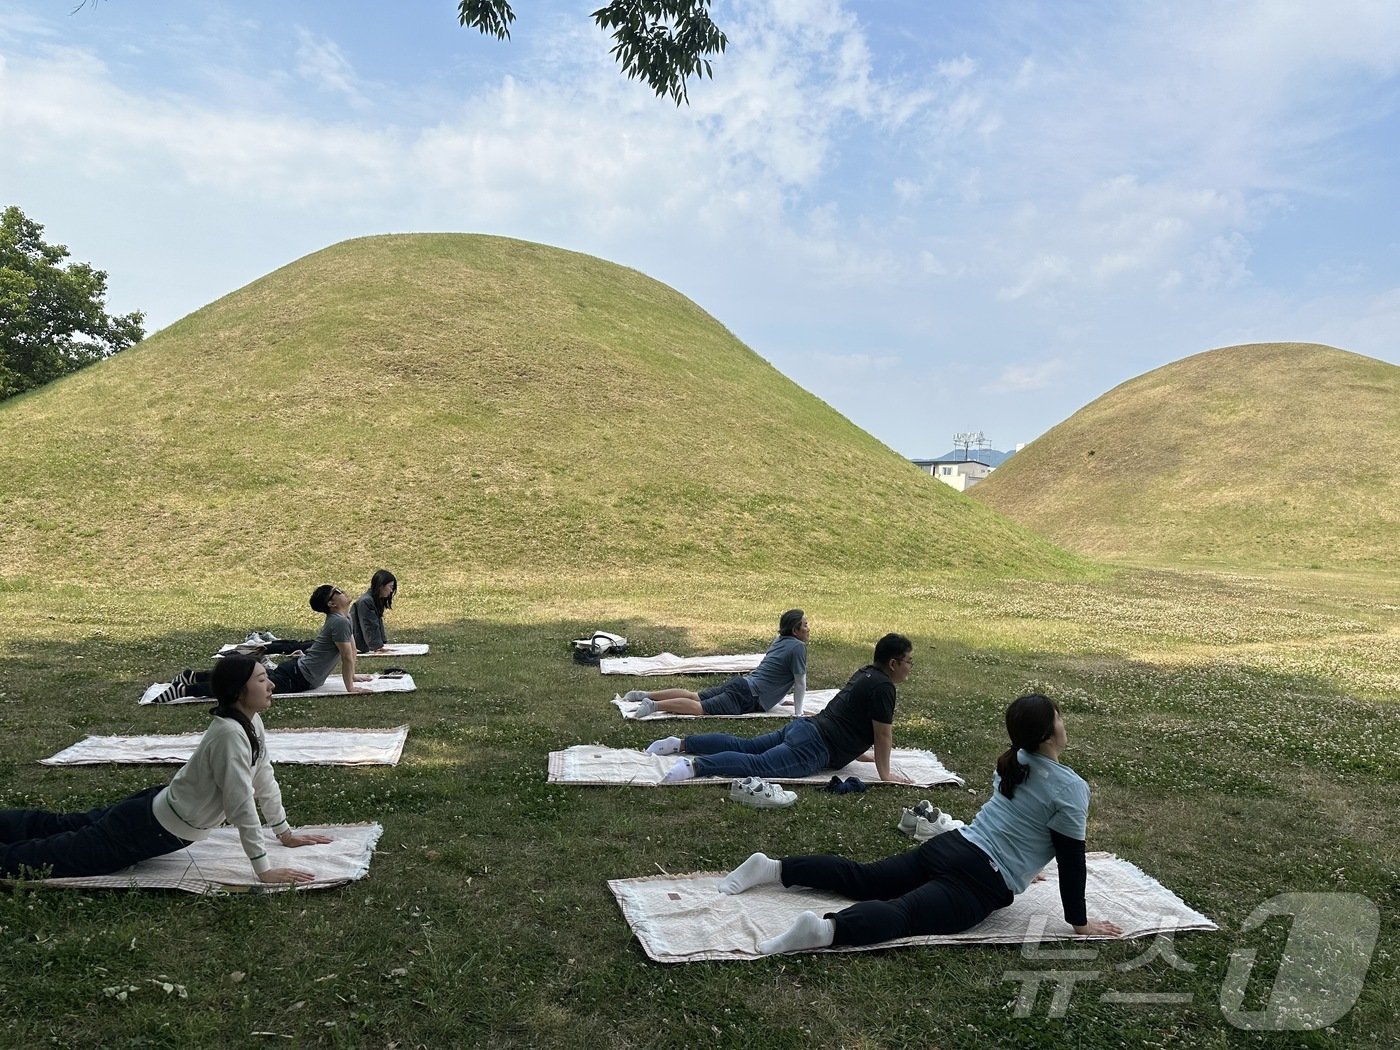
(323, 63)
(1023, 377)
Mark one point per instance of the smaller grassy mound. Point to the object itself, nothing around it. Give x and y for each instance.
(1264, 455)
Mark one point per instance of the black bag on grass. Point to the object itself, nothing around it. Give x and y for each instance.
(599, 644)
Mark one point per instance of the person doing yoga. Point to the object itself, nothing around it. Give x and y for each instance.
(333, 644)
(367, 614)
(1038, 810)
(228, 779)
(784, 667)
(858, 724)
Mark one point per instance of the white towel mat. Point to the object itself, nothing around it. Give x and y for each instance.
(332, 686)
(686, 919)
(392, 649)
(595, 765)
(318, 747)
(815, 700)
(670, 663)
(218, 864)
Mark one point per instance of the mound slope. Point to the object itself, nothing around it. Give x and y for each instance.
(454, 406)
(1262, 455)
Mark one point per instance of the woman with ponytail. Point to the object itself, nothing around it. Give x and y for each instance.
(1038, 810)
(226, 781)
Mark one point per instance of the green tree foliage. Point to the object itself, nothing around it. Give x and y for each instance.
(53, 318)
(661, 42)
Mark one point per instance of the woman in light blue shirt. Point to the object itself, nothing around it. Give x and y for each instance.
(1038, 810)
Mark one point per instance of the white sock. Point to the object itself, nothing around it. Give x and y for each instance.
(682, 770)
(759, 870)
(646, 706)
(671, 745)
(633, 695)
(809, 931)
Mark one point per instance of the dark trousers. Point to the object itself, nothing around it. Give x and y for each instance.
(286, 678)
(98, 842)
(945, 885)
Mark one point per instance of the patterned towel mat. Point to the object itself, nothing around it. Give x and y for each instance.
(685, 918)
(219, 865)
(332, 686)
(815, 700)
(313, 747)
(392, 649)
(670, 663)
(595, 765)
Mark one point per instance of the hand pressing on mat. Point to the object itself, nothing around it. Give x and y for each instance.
(292, 839)
(1097, 928)
(277, 875)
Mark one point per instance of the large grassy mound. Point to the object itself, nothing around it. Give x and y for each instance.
(1270, 454)
(454, 406)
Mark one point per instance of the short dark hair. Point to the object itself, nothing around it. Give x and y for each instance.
(891, 647)
(320, 600)
(230, 675)
(790, 621)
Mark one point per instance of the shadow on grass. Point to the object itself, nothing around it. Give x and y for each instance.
(486, 919)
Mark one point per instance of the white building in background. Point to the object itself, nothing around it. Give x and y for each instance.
(961, 474)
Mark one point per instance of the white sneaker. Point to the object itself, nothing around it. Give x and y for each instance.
(927, 829)
(909, 818)
(752, 791)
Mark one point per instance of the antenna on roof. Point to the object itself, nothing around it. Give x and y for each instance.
(968, 439)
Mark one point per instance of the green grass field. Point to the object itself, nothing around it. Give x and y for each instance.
(1239, 734)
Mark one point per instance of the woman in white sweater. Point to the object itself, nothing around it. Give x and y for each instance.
(226, 781)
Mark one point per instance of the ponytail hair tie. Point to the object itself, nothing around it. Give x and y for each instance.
(1022, 757)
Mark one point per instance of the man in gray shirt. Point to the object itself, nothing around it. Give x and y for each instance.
(784, 667)
(334, 643)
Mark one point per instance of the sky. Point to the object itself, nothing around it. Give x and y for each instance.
(937, 216)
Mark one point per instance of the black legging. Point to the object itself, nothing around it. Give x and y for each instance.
(98, 842)
(945, 885)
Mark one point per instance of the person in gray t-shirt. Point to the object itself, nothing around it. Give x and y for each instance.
(783, 666)
(333, 644)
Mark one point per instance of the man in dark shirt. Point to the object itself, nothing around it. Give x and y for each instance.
(857, 724)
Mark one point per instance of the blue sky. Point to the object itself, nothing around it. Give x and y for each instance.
(936, 216)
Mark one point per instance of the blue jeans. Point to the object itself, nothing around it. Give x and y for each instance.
(796, 750)
(98, 842)
(944, 885)
(734, 697)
